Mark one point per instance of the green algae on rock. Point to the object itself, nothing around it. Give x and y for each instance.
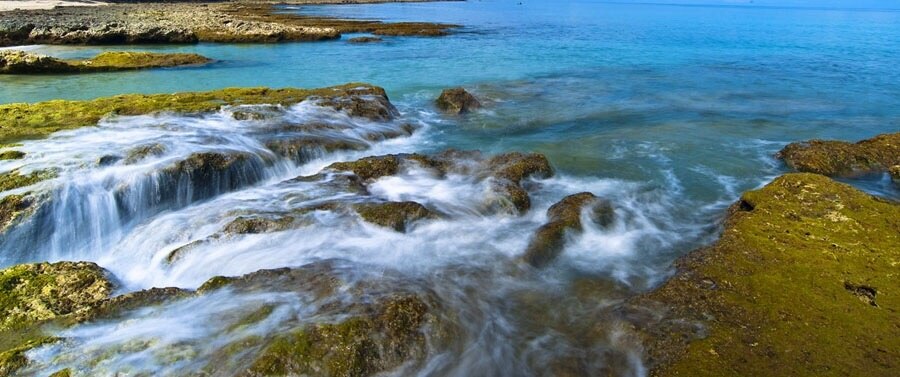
(20, 62)
(14, 179)
(803, 281)
(565, 216)
(457, 101)
(21, 121)
(362, 345)
(12, 155)
(394, 215)
(840, 158)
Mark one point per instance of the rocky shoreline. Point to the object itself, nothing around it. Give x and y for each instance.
(181, 23)
(803, 279)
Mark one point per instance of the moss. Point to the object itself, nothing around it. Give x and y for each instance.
(803, 281)
(564, 216)
(62, 373)
(19, 62)
(457, 101)
(839, 158)
(394, 215)
(22, 121)
(11, 207)
(362, 345)
(31, 293)
(13, 359)
(12, 155)
(13, 179)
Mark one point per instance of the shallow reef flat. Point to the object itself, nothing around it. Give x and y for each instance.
(187, 23)
(803, 282)
(20, 62)
(23, 121)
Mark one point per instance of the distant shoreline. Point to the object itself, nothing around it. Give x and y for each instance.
(10, 5)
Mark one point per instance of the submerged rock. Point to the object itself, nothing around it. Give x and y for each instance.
(839, 158)
(361, 40)
(803, 282)
(139, 153)
(394, 215)
(565, 216)
(457, 101)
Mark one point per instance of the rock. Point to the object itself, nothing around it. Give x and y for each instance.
(841, 159)
(506, 171)
(369, 102)
(20, 62)
(361, 40)
(457, 101)
(108, 160)
(394, 215)
(256, 225)
(12, 155)
(895, 173)
(802, 281)
(205, 174)
(31, 293)
(565, 216)
(12, 208)
(361, 345)
(139, 153)
(14, 179)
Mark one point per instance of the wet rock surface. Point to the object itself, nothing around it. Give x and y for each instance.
(800, 282)
(185, 23)
(843, 159)
(20, 62)
(457, 101)
(363, 40)
(562, 218)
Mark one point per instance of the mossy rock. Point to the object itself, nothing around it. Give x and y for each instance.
(395, 215)
(839, 158)
(139, 153)
(12, 155)
(20, 62)
(361, 345)
(31, 293)
(895, 173)
(256, 225)
(14, 179)
(803, 282)
(563, 217)
(361, 40)
(12, 207)
(21, 121)
(457, 101)
(371, 168)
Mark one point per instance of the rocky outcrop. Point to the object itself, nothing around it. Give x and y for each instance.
(842, 159)
(457, 101)
(19, 62)
(186, 23)
(895, 173)
(801, 282)
(564, 217)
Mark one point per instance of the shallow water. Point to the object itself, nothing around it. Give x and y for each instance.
(668, 111)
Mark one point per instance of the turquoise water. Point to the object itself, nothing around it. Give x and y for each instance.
(668, 111)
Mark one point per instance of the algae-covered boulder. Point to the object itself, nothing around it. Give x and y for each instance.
(383, 338)
(20, 62)
(565, 216)
(803, 282)
(457, 101)
(36, 292)
(839, 158)
(394, 215)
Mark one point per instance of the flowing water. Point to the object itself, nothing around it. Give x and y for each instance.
(669, 112)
